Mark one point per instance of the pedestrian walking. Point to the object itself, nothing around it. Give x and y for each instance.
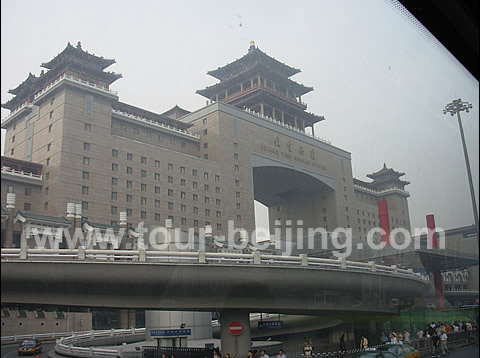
(343, 345)
(363, 342)
(383, 338)
(444, 343)
(435, 345)
(307, 349)
(281, 354)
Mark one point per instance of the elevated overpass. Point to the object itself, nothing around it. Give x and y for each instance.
(234, 284)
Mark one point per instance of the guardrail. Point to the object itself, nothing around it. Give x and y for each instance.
(41, 336)
(202, 257)
(66, 346)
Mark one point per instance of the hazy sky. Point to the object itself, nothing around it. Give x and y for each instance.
(380, 83)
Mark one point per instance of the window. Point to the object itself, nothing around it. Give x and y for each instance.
(47, 176)
(157, 203)
(235, 156)
(86, 160)
(129, 184)
(129, 198)
(51, 100)
(182, 170)
(205, 156)
(88, 103)
(114, 181)
(183, 208)
(205, 145)
(207, 200)
(113, 210)
(170, 166)
(87, 127)
(194, 172)
(157, 190)
(205, 131)
(143, 173)
(143, 160)
(45, 205)
(237, 168)
(182, 195)
(160, 138)
(46, 190)
(84, 205)
(157, 164)
(143, 201)
(239, 217)
(217, 178)
(183, 221)
(183, 144)
(195, 197)
(129, 170)
(129, 212)
(157, 217)
(157, 176)
(27, 206)
(217, 202)
(12, 151)
(50, 128)
(170, 206)
(237, 206)
(219, 226)
(28, 191)
(170, 192)
(85, 175)
(86, 146)
(114, 167)
(217, 189)
(13, 139)
(205, 176)
(143, 187)
(129, 156)
(205, 187)
(50, 115)
(85, 190)
(237, 194)
(114, 195)
(170, 180)
(195, 210)
(204, 121)
(182, 182)
(195, 223)
(235, 145)
(218, 214)
(207, 212)
(195, 185)
(237, 183)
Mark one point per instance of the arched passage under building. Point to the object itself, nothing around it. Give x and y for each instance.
(294, 195)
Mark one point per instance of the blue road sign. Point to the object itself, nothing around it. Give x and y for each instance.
(170, 332)
(270, 324)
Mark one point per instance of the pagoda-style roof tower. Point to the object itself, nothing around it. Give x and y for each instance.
(262, 84)
(387, 178)
(72, 61)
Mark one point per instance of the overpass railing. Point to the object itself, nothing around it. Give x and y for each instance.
(202, 257)
(66, 346)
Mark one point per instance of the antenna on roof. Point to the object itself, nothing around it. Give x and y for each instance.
(79, 45)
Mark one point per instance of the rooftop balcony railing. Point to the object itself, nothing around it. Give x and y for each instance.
(380, 192)
(288, 126)
(157, 124)
(22, 174)
(237, 94)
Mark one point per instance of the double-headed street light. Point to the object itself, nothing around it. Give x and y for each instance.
(456, 107)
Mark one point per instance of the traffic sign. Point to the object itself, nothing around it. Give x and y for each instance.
(235, 328)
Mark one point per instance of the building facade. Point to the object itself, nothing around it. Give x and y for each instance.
(196, 169)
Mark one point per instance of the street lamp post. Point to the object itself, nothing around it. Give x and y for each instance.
(456, 107)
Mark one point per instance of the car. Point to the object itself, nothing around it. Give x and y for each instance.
(30, 346)
(375, 353)
(401, 350)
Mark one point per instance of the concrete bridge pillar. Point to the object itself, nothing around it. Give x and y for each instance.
(235, 342)
(122, 318)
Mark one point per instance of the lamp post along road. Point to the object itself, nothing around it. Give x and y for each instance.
(456, 107)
